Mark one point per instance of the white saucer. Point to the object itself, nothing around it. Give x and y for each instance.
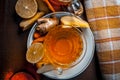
(83, 64)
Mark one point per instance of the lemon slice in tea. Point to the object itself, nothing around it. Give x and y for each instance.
(74, 21)
(35, 53)
(26, 8)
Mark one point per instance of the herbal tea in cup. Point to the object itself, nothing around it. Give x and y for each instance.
(63, 46)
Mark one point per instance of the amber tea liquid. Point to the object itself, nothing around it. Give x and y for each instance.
(63, 46)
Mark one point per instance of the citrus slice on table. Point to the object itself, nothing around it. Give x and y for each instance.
(26, 8)
(35, 53)
(74, 21)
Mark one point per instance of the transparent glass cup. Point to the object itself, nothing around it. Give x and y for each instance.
(75, 7)
(63, 47)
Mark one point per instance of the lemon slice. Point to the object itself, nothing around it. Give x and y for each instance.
(35, 53)
(74, 21)
(26, 8)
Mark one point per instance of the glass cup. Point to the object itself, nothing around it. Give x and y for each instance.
(63, 47)
(75, 7)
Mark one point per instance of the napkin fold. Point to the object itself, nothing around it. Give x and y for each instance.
(104, 19)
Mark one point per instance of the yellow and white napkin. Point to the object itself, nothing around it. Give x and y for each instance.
(104, 19)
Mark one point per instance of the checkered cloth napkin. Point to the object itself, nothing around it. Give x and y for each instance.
(104, 19)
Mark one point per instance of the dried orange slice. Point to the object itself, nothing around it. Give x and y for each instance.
(35, 53)
(26, 8)
(74, 21)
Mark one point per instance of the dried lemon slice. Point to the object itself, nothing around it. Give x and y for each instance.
(74, 21)
(35, 53)
(26, 8)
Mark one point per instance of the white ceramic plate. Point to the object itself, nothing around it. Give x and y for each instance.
(85, 61)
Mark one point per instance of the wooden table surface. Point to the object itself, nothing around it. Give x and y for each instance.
(13, 47)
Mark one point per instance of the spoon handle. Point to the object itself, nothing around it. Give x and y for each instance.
(45, 68)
